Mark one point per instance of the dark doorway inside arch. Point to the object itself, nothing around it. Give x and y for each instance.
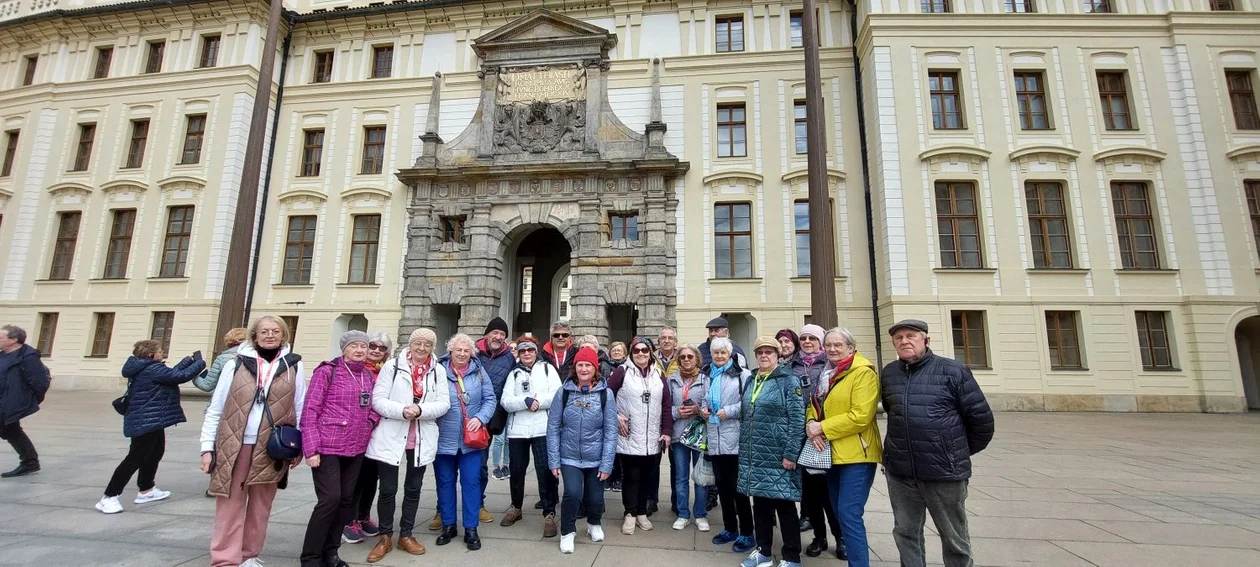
(623, 323)
(538, 266)
(1247, 340)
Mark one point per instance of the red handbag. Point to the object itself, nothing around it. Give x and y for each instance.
(479, 439)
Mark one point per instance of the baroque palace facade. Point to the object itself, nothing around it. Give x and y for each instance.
(1068, 191)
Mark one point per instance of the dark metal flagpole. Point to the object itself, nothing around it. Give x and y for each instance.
(822, 246)
(236, 278)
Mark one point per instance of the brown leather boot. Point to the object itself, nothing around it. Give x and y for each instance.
(384, 544)
(512, 516)
(410, 545)
(549, 525)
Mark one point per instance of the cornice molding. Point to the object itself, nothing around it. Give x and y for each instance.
(1062, 151)
(803, 172)
(749, 175)
(1130, 151)
(1241, 152)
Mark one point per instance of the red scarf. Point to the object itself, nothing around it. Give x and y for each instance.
(417, 377)
(819, 395)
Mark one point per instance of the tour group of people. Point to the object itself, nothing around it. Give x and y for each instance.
(786, 438)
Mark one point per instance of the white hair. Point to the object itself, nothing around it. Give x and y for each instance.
(721, 343)
(381, 338)
(845, 335)
(458, 338)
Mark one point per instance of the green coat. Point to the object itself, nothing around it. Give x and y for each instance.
(771, 429)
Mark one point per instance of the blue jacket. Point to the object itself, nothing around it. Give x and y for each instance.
(937, 418)
(22, 385)
(771, 429)
(480, 404)
(706, 358)
(497, 366)
(582, 434)
(154, 400)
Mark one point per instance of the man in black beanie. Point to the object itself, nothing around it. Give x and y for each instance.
(497, 360)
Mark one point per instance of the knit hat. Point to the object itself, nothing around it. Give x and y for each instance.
(423, 334)
(791, 335)
(766, 342)
(643, 341)
(814, 331)
(587, 355)
(353, 337)
(526, 342)
(497, 324)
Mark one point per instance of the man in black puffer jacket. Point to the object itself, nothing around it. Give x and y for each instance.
(23, 382)
(937, 419)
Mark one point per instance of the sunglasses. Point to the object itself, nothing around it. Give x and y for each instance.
(381, 348)
(766, 352)
(560, 335)
(526, 349)
(686, 356)
(641, 351)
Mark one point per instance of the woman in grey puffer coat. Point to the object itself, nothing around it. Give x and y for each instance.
(581, 444)
(722, 407)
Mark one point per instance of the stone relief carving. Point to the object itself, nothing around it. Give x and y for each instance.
(539, 127)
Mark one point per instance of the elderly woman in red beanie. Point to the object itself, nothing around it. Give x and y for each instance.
(644, 421)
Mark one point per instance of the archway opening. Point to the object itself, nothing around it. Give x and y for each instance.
(534, 292)
(1247, 340)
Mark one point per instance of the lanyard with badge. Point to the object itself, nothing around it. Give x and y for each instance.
(263, 376)
(463, 393)
(365, 396)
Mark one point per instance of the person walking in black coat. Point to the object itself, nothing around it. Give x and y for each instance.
(937, 419)
(152, 406)
(23, 382)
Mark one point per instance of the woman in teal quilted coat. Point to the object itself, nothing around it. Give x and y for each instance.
(772, 432)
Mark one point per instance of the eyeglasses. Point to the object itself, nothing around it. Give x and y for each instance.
(809, 338)
(270, 332)
(560, 335)
(422, 343)
(686, 356)
(641, 350)
(766, 353)
(381, 348)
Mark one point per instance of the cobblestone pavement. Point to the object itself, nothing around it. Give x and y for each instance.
(1052, 489)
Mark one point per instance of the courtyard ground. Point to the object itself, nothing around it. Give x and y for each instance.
(1052, 489)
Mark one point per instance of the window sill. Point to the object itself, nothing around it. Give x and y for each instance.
(1160, 271)
(354, 285)
(965, 270)
(1057, 270)
(734, 280)
(1071, 371)
(97, 356)
(979, 368)
(295, 285)
(172, 279)
(109, 280)
(807, 279)
(1161, 370)
(56, 281)
(188, 165)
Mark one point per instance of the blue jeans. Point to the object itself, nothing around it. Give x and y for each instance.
(683, 458)
(499, 451)
(581, 486)
(465, 468)
(849, 487)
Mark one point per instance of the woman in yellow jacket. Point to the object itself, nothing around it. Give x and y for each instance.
(842, 413)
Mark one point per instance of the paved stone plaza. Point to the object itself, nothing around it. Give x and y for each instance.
(1052, 489)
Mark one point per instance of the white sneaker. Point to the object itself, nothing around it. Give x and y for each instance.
(566, 542)
(627, 525)
(252, 562)
(109, 505)
(702, 524)
(756, 559)
(644, 523)
(681, 523)
(596, 532)
(153, 495)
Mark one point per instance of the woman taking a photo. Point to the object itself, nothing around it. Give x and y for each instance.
(234, 435)
(842, 412)
(231, 339)
(770, 439)
(688, 388)
(645, 423)
(472, 406)
(337, 423)
(581, 442)
(723, 406)
(410, 395)
(152, 406)
(527, 398)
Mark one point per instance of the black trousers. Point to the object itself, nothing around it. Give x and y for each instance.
(640, 480)
(816, 504)
(616, 472)
(764, 510)
(673, 497)
(365, 489)
(518, 465)
(145, 454)
(412, 483)
(21, 443)
(334, 507)
(737, 516)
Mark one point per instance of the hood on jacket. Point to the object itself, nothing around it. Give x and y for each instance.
(474, 365)
(135, 365)
(247, 350)
(547, 348)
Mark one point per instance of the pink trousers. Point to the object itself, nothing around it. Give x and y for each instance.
(240, 521)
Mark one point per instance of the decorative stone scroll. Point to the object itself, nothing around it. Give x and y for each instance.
(539, 127)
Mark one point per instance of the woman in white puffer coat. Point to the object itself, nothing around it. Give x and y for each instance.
(527, 396)
(410, 394)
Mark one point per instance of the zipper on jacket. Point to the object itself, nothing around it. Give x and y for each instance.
(906, 401)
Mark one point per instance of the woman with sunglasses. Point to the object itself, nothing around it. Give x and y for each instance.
(379, 347)
(410, 396)
(527, 396)
(772, 432)
(644, 421)
(723, 405)
(687, 390)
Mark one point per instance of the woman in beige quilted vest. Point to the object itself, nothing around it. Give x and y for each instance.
(644, 423)
(234, 439)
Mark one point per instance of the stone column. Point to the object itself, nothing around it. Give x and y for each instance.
(657, 301)
(594, 101)
(489, 75)
(586, 301)
(483, 274)
(417, 309)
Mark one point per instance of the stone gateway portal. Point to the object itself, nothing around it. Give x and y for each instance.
(543, 151)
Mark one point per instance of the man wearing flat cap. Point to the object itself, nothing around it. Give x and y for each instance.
(719, 327)
(937, 419)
